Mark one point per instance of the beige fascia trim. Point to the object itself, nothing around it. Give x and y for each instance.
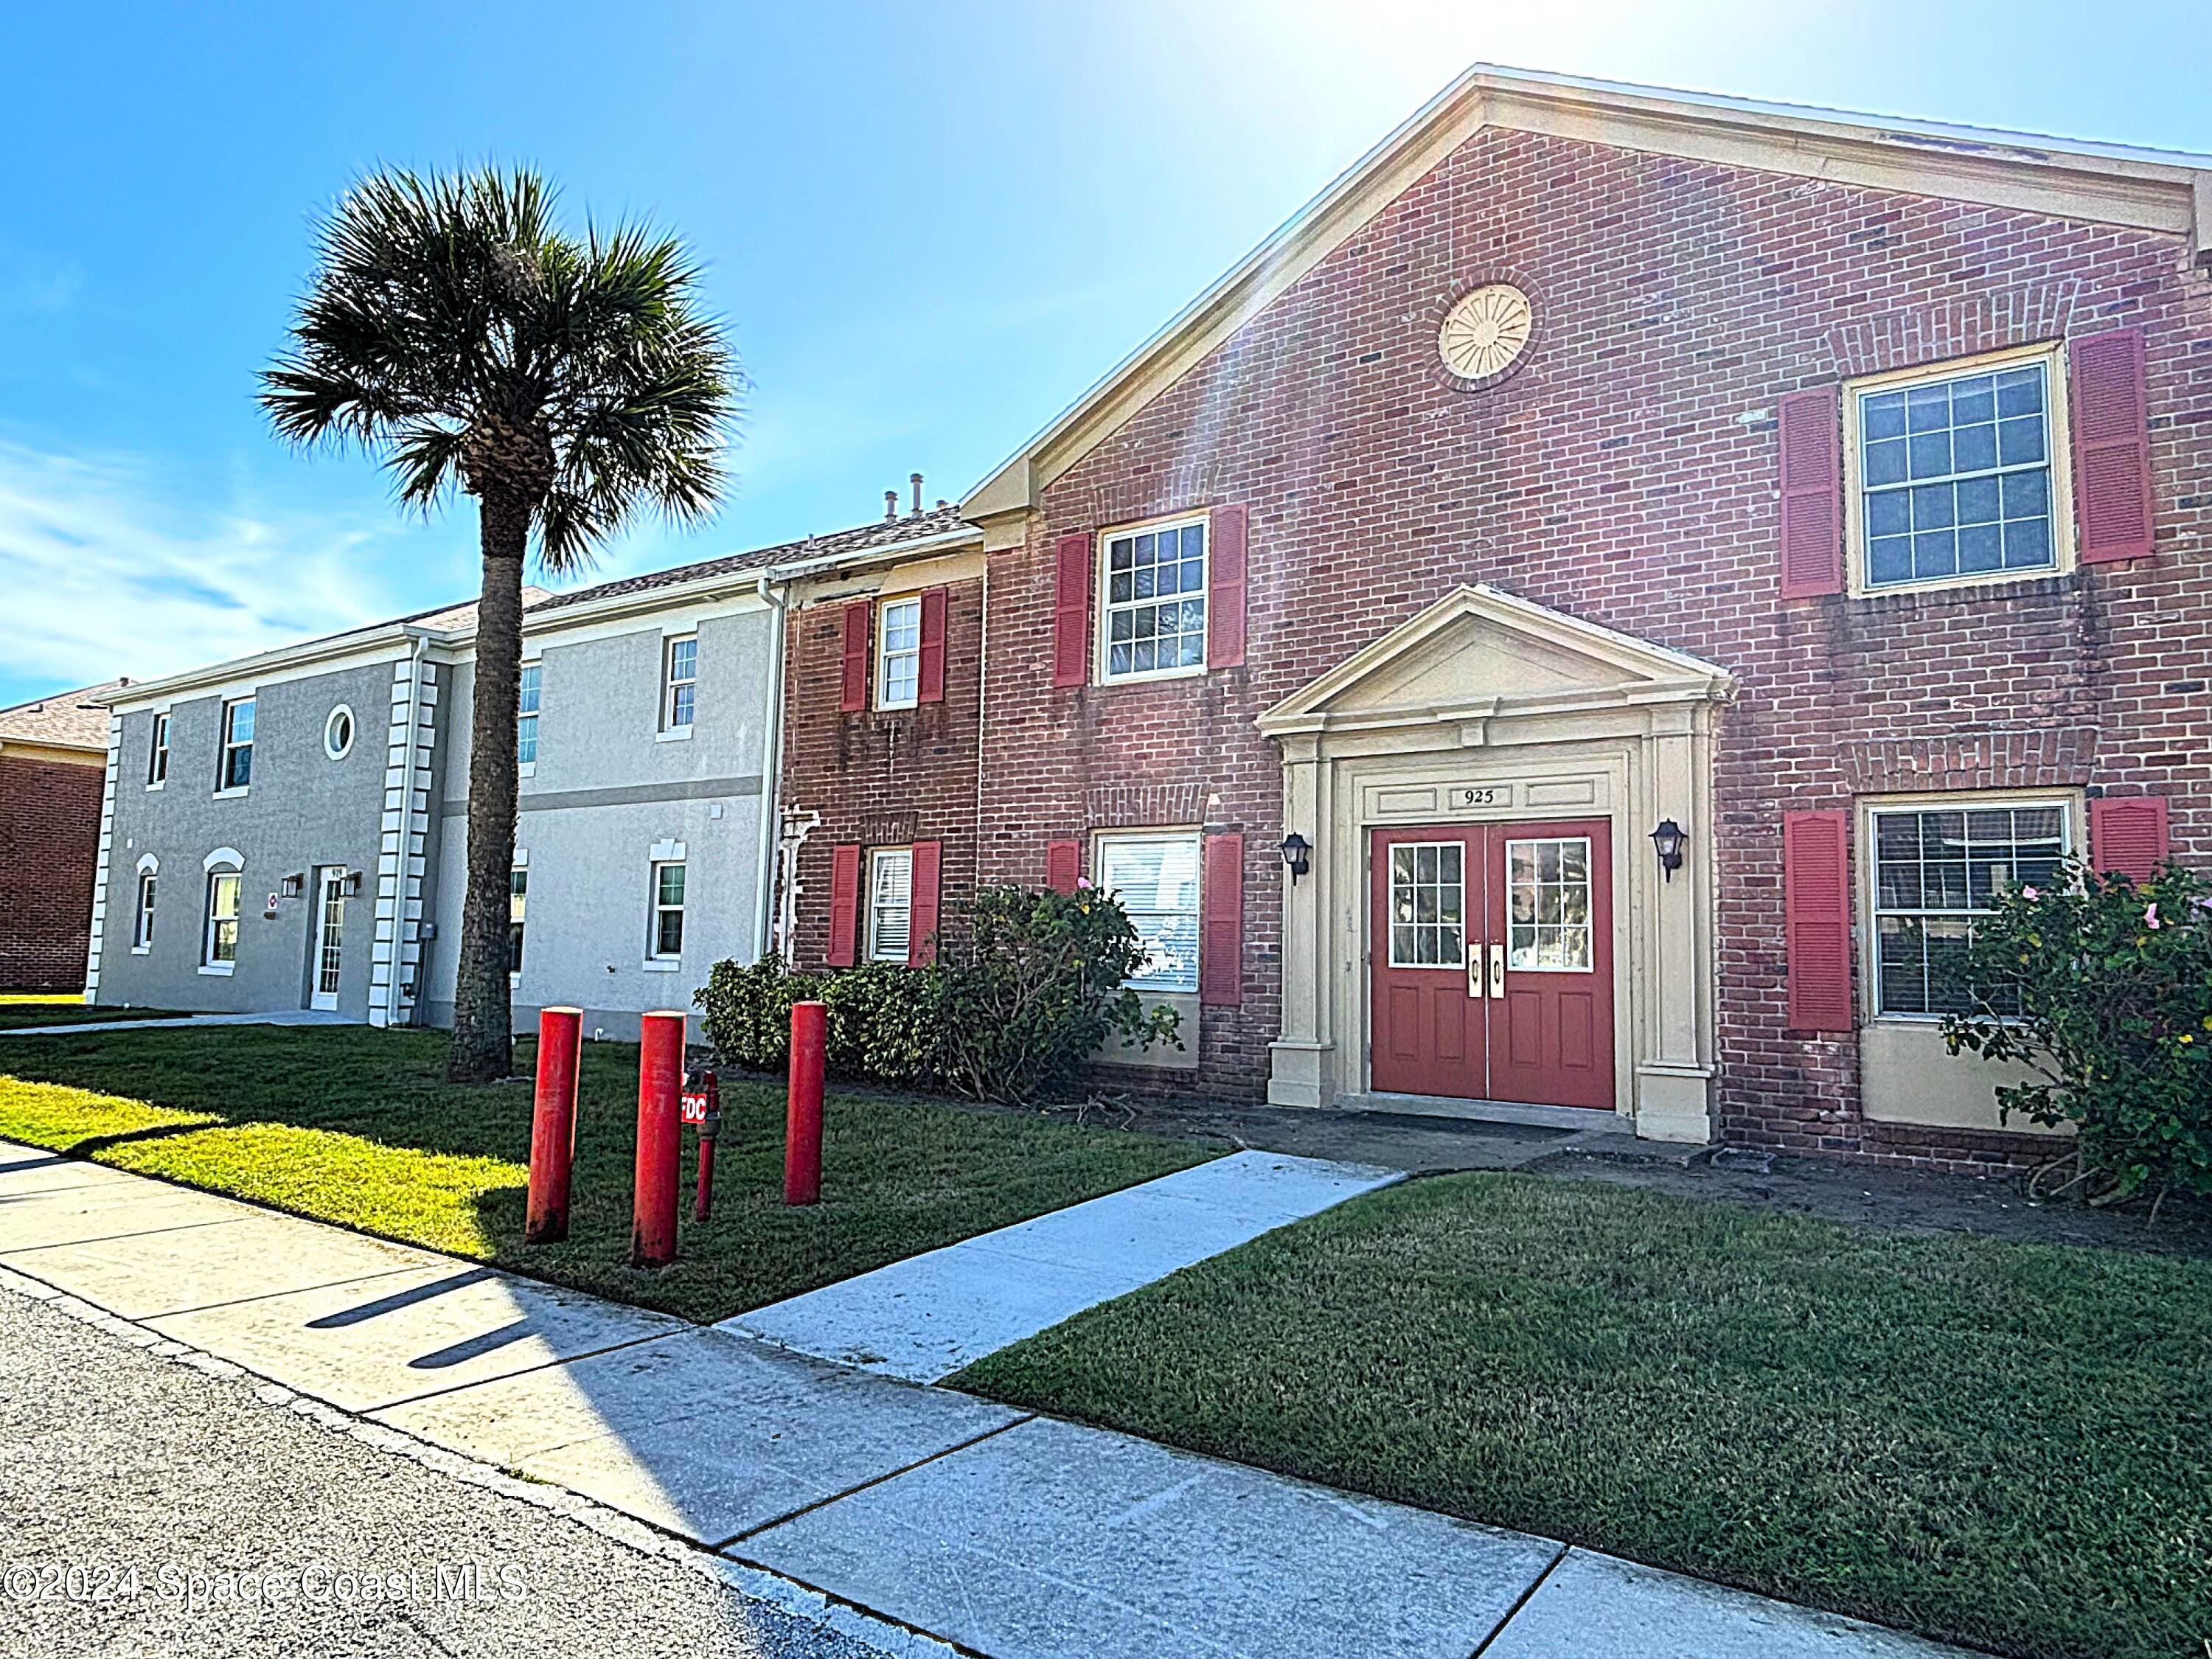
(54, 754)
(370, 645)
(885, 553)
(2107, 184)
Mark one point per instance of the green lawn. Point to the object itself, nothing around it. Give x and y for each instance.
(2004, 1444)
(356, 1126)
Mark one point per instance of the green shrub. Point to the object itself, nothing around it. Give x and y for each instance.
(2103, 986)
(1031, 985)
(1027, 985)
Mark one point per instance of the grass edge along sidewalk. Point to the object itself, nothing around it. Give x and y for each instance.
(2000, 1443)
(354, 1126)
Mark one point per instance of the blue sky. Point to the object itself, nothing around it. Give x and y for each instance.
(929, 228)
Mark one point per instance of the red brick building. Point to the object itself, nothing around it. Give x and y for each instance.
(53, 759)
(1586, 464)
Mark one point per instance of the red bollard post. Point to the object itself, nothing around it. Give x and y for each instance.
(553, 1125)
(802, 1124)
(659, 1140)
(710, 1125)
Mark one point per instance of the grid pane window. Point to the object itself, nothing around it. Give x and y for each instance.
(1156, 880)
(890, 904)
(157, 762)
(1935, 870)
(1547, 885)
(525, 719)
(667, 909)
(518, 895)
(682, 683)
(141, 934)
(223, 917)
(236, 768)
(1428, 904)
(1956, 477)
(898, 663)
(1155, 613)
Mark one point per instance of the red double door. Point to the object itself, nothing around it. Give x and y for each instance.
(1493, 962)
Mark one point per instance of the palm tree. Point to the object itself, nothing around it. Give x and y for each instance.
(454, 333)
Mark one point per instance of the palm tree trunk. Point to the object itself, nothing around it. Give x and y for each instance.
(483, 1049)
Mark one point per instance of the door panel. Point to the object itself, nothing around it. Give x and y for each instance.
(1550, 901)
(1429, 1037)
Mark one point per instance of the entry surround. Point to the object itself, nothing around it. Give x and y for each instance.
(1486, 708)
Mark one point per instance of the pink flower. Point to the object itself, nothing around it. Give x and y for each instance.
(1084, 882)
(2029, 893)
(2150, 916)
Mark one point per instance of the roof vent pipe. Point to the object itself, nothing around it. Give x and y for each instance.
(891, 506)
(917, 493)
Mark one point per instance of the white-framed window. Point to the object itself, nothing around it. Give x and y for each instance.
(680, 678)
(157, 752)
(142, 925)
(1548, 926)
(234, 767)
(1428, 904)
(1958, 473)
(1154, 873)
(898, 653)
(518, 896)
(337, 733)
(1935, 864)
(666, 940)
(890, 904)
(219, 950)
(1152, 616)
(525, 718)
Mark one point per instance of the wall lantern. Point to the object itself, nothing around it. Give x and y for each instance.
(352, 884)
(294, 885)
(1294, 850)
(1668, 838)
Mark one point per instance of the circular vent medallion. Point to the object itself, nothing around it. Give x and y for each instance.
(1485, 331)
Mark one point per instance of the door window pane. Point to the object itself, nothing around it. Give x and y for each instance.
(1548, 924)
(1428, 904)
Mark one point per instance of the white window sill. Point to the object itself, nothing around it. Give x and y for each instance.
(674, 734)
(151, 787)
(664, 964)
(898, 708)
(225, 969)
(526, 769)
(1158, 674)
(142, 949)
(1866, 590)
(239, 794)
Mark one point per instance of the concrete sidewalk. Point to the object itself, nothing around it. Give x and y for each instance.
(1008, 1534)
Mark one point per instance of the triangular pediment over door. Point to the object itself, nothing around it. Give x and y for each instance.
(1480, 654)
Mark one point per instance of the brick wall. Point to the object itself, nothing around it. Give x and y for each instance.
(879, 779)
(1627, 474)
(49, 847)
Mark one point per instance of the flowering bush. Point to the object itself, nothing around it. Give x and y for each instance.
(2102, 987)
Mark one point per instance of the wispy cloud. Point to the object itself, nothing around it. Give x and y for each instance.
(101, 574)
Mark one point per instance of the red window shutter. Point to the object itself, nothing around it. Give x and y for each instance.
(2127, 835)
(1225, 595)
(1221, 924)
(859, 614)
(921, 933)
(1812, 494)
(932, 664)
(1071, 611)
(1063, 865)
(1816, 910)
(2111, 445)
(844, 905)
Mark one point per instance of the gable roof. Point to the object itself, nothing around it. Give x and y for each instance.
(67, 720)
(2167, 190)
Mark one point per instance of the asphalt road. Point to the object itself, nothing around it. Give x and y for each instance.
(149, 1509)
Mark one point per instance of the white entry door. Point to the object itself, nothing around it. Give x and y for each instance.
(329, 937)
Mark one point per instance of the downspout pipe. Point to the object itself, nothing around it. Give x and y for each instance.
(774, 597)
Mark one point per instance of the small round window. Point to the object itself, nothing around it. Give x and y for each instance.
(337, 733)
